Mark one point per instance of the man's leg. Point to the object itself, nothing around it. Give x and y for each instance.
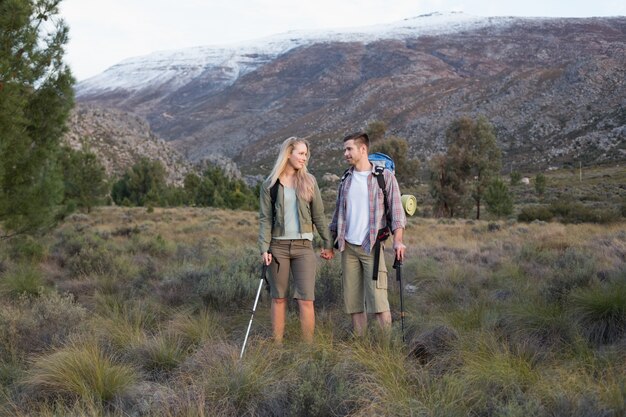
(278, 313)
(384, 319)
(359, 323)
(353, 288)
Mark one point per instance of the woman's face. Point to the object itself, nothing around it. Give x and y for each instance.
(299, 156)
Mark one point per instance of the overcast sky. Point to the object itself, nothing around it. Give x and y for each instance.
(104, 32)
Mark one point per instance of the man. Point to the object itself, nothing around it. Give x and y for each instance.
(359, 215)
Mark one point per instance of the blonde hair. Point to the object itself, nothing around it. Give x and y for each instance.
(304, 181)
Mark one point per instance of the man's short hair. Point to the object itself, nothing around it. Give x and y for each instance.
(360, 138)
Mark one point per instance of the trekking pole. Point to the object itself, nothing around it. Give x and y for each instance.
(397, 265)
(256, 300)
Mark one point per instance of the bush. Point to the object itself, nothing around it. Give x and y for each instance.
(22, 279)
(532, 213)
(572, 212)
(26, 249)
(35, 324)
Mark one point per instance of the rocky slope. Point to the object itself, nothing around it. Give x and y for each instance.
(120, 139)
(555, 90)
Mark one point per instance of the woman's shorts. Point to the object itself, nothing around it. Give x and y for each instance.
(298, 258)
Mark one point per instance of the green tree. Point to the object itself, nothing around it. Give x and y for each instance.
(447, 188)
(498, 198)
(540, 183)
(376, 130)
(84, 178)
(36, 97)
(473, 156)
(398, 149)
(143, 183)
(516, 178)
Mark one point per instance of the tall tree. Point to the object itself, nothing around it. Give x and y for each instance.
(35, 99)
(473, 156)
(84, 178)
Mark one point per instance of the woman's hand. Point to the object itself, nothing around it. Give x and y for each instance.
(267, 258)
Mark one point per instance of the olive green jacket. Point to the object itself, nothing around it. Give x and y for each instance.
(309, 214)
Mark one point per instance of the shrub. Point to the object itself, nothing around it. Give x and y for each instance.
(22, 279)
(79, 371)
(600, 311)
(35, 324)
(26, 249)
(531, 213)
(571, 212)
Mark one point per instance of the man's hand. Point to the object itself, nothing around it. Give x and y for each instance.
(267, 258)
(398, 247)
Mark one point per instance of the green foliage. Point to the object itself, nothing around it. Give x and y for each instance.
(540, 184)
(472, 160)
(568, 211)
(376, 131)
(516, 178)
(35, 99)
(574, 212)
(84, 178)
(531, 213)
(398, 150)
(23, 279)
(498, 198)
(447, 188)
(143, 183)
(215, 189)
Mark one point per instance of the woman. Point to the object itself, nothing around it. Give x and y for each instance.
(291, 204)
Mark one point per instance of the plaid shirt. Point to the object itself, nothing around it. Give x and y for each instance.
(377, 219)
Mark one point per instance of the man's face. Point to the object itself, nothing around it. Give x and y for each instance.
(352, 152)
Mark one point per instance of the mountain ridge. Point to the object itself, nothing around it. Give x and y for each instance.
(553, 88)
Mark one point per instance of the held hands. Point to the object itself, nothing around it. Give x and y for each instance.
(327, 254)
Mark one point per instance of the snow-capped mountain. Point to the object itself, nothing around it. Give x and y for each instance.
(170, 70)
(554, 89)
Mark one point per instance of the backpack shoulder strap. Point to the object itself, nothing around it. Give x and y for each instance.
(380, 177)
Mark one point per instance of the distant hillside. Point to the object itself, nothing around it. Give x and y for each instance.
(120, 139)
(555, 89)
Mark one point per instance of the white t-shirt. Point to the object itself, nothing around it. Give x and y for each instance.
(357, 208)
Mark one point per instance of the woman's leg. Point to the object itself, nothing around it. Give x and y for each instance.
(278, 313)
(307, 319)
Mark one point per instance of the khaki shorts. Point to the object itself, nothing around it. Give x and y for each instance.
(360, 292)
(298, 258)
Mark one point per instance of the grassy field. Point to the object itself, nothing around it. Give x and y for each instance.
(125, 312)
